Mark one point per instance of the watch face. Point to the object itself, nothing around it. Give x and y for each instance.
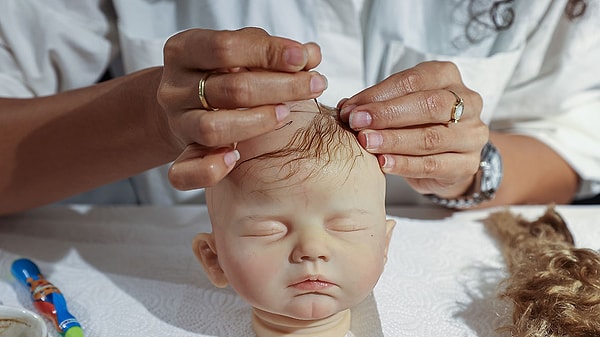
(492, 171)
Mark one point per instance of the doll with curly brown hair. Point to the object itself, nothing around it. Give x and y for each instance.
(554, 286)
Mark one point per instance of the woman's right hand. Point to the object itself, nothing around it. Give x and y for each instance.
(251, 74)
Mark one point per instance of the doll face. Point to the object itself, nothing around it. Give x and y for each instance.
(305, 248)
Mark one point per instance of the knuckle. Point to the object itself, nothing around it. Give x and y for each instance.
(174, 47)
(451, 67)
(448, 68)
(386, 114)
(254, 31)
(238, 90)
(431, 139)
(411, 81)
(401, 165)
(273, 55)
(166, 96)
(209, 130)
(222, 45)
(431, 106)
(162, 95)
(430, 166)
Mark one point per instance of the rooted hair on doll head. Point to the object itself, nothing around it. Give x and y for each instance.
(324, 140)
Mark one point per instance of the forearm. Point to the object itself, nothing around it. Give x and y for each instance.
(533, 173)
(53, 147)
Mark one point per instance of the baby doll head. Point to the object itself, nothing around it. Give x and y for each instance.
(299, 227)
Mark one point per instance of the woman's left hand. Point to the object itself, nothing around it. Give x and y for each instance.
(406, 121)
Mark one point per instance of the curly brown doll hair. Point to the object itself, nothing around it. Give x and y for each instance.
(553, 286)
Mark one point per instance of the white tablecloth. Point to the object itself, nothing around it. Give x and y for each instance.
(130, 271)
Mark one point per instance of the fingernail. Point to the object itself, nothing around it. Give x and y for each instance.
(386, 162)
(295, 56)
(373, 140)
(318, 83)
(341, 102)
(231, 157)
(360, 119)
(281, 112)
(346, 111)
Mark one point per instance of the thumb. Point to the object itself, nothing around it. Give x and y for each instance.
(196, 167)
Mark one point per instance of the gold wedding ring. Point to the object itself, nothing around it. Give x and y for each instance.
(202, 92)
(457, 109)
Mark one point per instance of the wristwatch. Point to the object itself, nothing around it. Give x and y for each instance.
(486, 183)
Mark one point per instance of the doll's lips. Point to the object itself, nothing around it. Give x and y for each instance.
(312, 283)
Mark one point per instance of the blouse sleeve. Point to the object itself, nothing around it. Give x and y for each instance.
(52, 46)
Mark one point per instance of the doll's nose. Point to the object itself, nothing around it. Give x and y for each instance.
(311, 247)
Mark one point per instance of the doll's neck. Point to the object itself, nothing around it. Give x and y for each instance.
(266, 324)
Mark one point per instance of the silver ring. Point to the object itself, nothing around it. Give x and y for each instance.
(202, 92)
(457, 109)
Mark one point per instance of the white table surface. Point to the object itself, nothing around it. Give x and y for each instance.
(130, 271)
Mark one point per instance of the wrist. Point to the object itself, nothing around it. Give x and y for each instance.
(485, 183)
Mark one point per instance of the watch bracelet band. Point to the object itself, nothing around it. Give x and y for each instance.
(460, 203)
(471, 199)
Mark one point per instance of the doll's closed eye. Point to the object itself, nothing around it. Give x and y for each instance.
(263, 228)
(345, 225)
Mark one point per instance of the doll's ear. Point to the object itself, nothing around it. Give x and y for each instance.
(389, 228)
(206, 252)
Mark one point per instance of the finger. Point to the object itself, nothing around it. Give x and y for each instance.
(239, 89)
(419, 108)
(249, 89)
(195, 168)
(424, 76)
(445, 168)
(427, 140)
(222, 127)
(314, 55)
(423, 107)
(247, 47)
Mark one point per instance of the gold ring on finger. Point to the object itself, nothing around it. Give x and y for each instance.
(202, 92)
(457, 110)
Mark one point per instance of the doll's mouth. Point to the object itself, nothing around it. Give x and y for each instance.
(312, 283)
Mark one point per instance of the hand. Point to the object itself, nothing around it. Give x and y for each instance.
(405, 121)
(251, 73)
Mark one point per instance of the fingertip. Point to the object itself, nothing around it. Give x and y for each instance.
(188, 173)
(175, 179)
(314, 55)
(345, 112)
(281, 112)
(231, 157)
(386, 162)
(318, 82)
(341, 103)
(296, 57)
